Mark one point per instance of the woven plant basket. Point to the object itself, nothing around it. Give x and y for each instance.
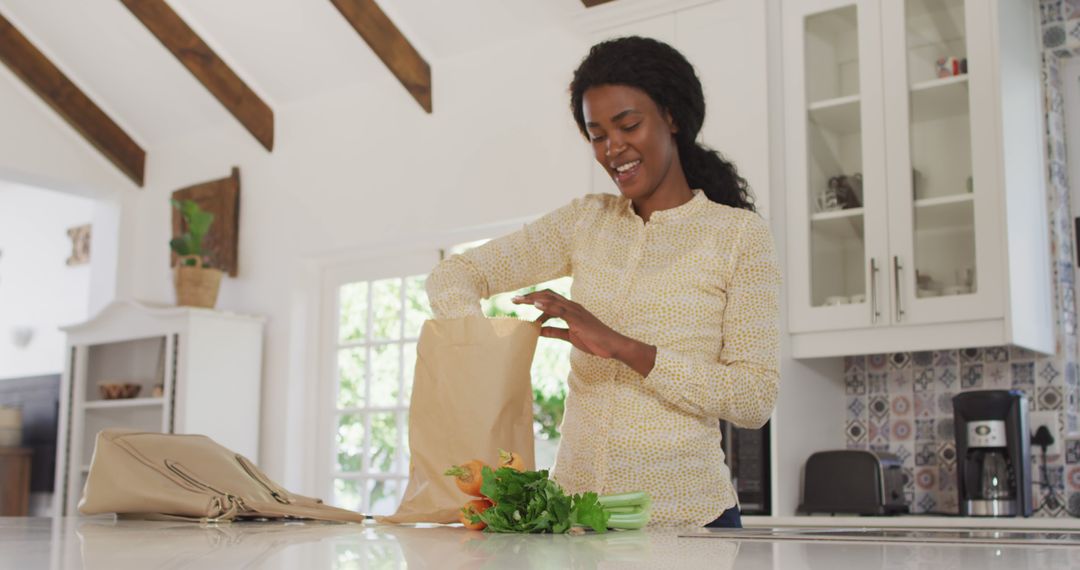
(196, 286)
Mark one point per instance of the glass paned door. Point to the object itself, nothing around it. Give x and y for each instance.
(940, 249)
(376, 328)
(834, 158)
(943, 189)
(836, 150)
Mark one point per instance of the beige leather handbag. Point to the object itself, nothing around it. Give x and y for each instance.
(188, 477)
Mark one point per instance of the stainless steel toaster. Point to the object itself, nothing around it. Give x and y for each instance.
(851, 481)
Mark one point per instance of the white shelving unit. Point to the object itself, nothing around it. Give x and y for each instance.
(127, 403)
(948, 167)
(207, 363)
(839, 115)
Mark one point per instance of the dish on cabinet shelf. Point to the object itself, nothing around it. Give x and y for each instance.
(119, 390)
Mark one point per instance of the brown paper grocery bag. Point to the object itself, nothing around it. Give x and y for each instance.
(472, 396)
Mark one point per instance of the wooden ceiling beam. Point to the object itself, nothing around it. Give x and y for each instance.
(392, 47)
(207, 67)
(60, 93)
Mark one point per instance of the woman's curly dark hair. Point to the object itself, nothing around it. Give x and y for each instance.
(668, 78)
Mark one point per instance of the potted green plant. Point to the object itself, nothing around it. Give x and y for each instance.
(197, 284)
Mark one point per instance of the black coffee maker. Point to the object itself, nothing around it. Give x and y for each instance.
(993, 448)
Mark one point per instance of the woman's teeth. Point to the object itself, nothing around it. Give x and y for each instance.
(627, 166)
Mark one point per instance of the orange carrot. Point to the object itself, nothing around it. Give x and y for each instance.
(511, 460)
(471, 508)
(468, 476)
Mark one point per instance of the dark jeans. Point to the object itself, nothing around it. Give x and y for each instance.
(730, 519)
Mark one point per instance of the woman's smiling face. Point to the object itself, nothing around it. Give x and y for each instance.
(631, 138)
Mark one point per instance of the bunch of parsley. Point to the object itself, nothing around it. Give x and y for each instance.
(530, 502)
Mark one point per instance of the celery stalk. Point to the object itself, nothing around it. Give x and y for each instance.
(627, 510)
(635, 499)
(629, 521)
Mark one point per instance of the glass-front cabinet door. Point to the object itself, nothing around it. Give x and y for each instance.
(943, 261)
(837, 234)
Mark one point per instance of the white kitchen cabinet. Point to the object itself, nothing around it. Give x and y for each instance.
(726, 42)
(946, 243)
(207, 363)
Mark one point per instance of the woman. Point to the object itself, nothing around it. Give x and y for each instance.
(674, 318)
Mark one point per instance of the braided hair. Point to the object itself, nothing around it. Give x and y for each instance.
(669, 79)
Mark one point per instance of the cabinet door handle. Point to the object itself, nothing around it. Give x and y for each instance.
(874, 311)
(896, 281)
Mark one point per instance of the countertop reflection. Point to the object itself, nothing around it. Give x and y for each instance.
(103, 543)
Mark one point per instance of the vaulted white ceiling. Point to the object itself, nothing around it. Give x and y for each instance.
(285, 50)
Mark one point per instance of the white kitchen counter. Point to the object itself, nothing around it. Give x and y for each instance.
(30, 543)
(916, 521)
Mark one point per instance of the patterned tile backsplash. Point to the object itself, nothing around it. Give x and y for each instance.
(1060, 25)
(901, 403)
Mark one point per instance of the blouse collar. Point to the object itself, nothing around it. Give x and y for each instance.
(670, 214)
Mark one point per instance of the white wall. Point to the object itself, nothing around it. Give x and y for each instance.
(37, 289)
(38, 148)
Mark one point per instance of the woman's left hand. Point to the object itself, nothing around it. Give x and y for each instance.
(586, 332)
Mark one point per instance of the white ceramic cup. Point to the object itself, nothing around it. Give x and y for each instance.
(836, 300)
(956, 290)
(858, 298)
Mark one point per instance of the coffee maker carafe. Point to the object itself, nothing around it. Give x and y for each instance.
(993, 449)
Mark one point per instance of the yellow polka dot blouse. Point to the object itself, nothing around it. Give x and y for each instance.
(701, 283)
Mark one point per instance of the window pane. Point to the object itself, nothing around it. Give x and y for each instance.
(350, 442)
(385, 374)
(551, 365)
(383, 496)
(348, 494)
(463, 247)
(386, 309)
(417, 307)
(352, 299)
(561, 285)
(384, 442)
(501, 305)
(351, 363)
(409, 371)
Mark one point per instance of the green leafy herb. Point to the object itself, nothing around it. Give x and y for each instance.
(530, 502)
(588, 512)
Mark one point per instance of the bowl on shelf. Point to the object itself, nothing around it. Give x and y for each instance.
(118, 390)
